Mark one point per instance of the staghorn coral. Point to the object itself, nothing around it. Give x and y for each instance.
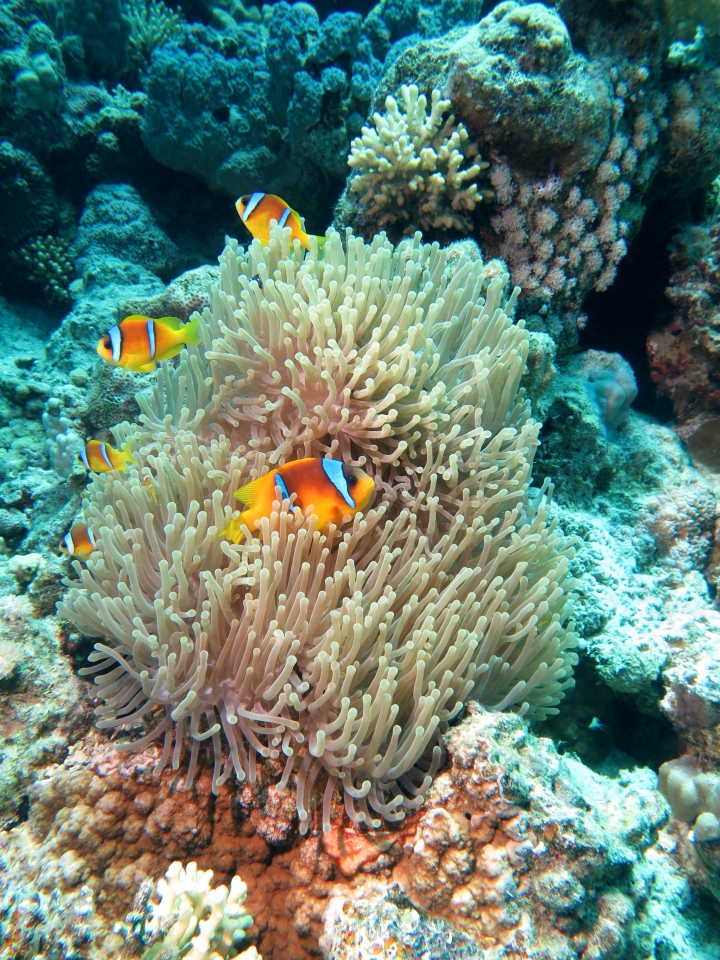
(409, 168)
(343, 654)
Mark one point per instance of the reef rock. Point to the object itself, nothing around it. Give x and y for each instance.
(515, 850)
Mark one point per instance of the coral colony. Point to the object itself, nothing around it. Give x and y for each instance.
(359, 488)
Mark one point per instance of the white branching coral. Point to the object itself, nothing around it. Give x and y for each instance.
(342, 653)
(189, 919)
(411, 166)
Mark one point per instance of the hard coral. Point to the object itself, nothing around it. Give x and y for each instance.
(517, 848)
(411, 167)
(192, 919)
(47, 267)
(573, 140)
(342, 654)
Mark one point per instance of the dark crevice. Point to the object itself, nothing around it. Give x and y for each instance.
(620, 319)
(606, 729)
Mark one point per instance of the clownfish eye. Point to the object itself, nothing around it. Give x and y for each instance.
(352, 480)
(107, 343)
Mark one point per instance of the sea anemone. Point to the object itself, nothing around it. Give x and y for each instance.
(346, 652)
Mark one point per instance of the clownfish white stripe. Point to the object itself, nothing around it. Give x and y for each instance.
(68, 543)
(91, 537)
(252, 203)
(103, 454)
(82, 456)
(334, 472)
(115, 334)
(151, 337)
(283, 219)
(279, 482)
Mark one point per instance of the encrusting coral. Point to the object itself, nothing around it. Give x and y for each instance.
(344, 653)
(410, 166)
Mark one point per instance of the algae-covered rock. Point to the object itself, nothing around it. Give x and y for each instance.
(519, 63)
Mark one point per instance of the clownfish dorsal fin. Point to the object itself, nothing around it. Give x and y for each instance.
(248, 494)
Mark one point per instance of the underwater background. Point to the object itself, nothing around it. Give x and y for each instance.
(474, 713)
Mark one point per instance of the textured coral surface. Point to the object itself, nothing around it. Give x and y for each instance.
(516, 848)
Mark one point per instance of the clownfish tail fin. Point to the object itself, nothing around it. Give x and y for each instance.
(191, 333)
(125, 454)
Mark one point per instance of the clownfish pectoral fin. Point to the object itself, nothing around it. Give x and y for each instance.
(249, 493)
(146, 368)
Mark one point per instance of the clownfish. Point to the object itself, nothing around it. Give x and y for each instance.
(79, 542)
(138, 343)
(258, 209)
(333, 490)
(149, 483)
(102, 458)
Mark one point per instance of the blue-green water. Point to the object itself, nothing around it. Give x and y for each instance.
(454, 693)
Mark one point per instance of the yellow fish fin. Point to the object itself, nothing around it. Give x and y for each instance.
(127, 457)
(172, 323)
(250, 492)
(232, 531)
(192, 331)
(321, 241)
(146, 368)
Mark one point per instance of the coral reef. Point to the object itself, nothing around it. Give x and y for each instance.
(694, 795)
(43, 706)
(27, 199)
(332, 713)
(410, 167)
(47, 266)
(116, 222)
(684, 356)
(451, 444)
(516, 848)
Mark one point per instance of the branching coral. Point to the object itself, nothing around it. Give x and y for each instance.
(347, 652)
(410, 166)
(48, 266)
(193, 920)
(152, 23)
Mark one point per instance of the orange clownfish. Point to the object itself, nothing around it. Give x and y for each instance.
(333, 489)
(79, 542)
(102, 458)
(139, 342)
(258, 209)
